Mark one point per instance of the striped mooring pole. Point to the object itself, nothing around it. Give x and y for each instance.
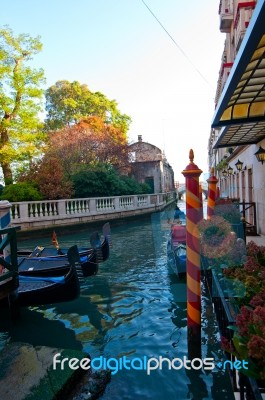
(201, 202)
(193, 216)
(212, 191)
(5, 221)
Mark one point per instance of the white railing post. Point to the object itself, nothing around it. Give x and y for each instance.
(23, 211)
(149, 200)
(117, 203)
(92, 206)
(61, 207)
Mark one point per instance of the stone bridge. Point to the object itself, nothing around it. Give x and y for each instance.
(181, 189)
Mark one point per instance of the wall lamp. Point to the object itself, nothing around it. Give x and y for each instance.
(239, 165)
(224, 172)
(230, 170)
(260, 154)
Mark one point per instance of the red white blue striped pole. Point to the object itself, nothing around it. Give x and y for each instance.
(5, 221)
(212, 189)
(192, 173)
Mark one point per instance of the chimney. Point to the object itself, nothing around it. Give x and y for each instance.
(140, 138)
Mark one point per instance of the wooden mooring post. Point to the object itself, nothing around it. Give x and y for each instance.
(212, 183)
(193, 216)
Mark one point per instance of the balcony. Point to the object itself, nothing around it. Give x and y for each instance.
(226, 15)
(223, 75)
(243, 16)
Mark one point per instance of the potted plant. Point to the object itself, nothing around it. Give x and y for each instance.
(222, 165)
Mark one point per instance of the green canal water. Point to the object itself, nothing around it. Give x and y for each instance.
(134, 307)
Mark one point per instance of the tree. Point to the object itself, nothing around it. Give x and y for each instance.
(88, 143)
(48, 176)
(67, 103)
(20, 100)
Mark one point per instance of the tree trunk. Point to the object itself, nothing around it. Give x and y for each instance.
(7, 172)
(6, 167)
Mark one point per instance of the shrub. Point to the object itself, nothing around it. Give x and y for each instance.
(21, 192)
(103, 181)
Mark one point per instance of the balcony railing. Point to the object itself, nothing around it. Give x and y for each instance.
(223, 75)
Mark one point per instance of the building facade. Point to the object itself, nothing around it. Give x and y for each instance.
(149, 165)
(237, 136)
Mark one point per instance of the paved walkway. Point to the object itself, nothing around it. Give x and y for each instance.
(259, 240)
(27, 373)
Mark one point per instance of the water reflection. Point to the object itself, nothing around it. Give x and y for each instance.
(39, 329)
(136, 307)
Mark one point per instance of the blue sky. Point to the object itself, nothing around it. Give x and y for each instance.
(118, 48)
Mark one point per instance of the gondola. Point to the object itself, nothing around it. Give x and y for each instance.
(60, 285)
(89, 257)
(176, 249)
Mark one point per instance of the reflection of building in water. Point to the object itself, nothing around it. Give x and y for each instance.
(149, 165)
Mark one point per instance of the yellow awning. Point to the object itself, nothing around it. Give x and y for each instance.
(241, 108)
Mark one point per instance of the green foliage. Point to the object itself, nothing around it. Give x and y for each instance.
(48, 176)
(21, 192)
(103, 181)
(228, 210)
(248, 342)
(133, 187)
(20, 100)
(222, 165)
(69, 102)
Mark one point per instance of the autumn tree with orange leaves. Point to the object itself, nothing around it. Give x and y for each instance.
(85, 131)
(88, 143)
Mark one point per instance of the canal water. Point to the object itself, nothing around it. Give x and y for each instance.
(134, 307)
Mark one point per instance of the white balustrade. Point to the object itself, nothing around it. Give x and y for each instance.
(143, 200)
(105, 204)
(52, 210)
(126, 202)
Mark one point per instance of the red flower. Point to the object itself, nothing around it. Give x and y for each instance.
(256, 347)
(227, 345)
(258, 300)
(259, 316)
(243, 320)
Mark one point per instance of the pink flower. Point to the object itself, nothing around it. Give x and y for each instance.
(251, 265)
(227, 345)
(256, 347)
(259, 316)
(243, 320)
(258, 300)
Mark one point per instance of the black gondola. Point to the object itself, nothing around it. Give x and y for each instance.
(61, 285)
(89, 257)
(176, 249)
